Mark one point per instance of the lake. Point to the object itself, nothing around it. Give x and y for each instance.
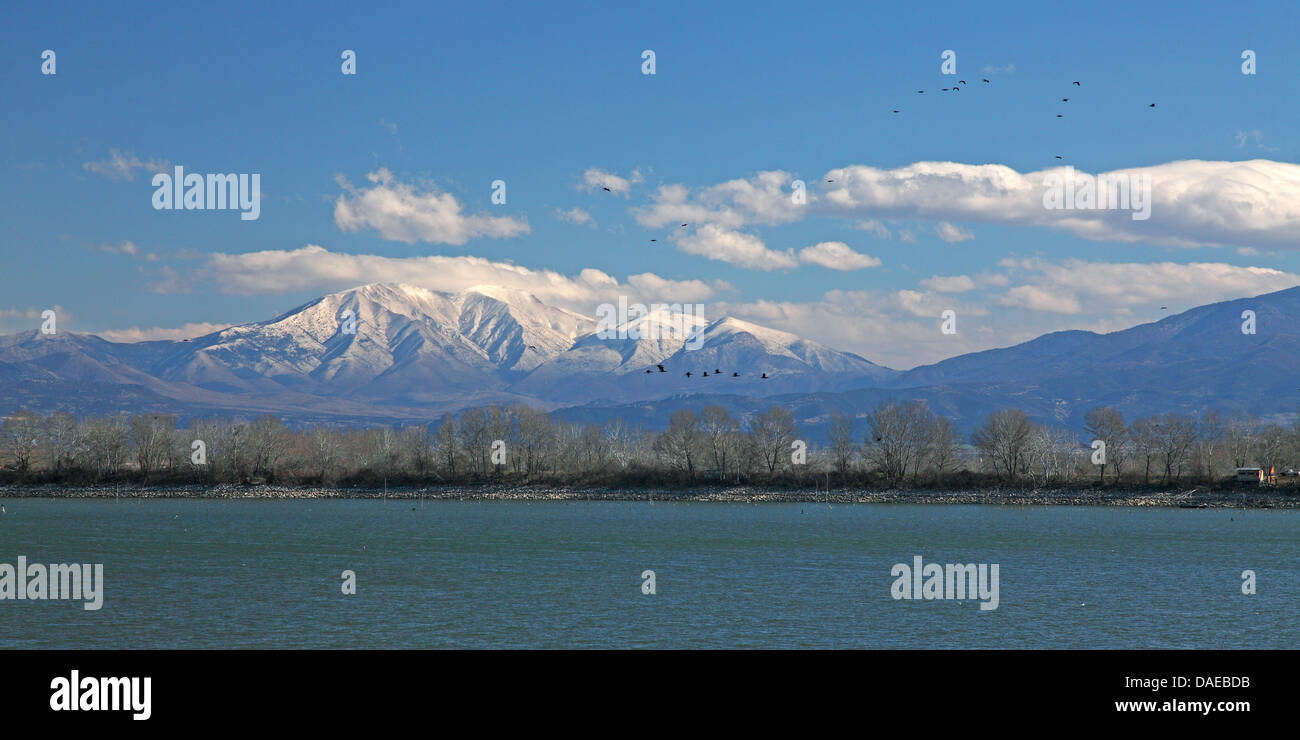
(511, 574)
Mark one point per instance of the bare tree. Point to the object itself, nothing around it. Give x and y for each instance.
(679, 445)
(1106, 423)
(773, 432)
(840, 433)
(719, 437)
(1002, 441)
(22, 434)
(899, 435)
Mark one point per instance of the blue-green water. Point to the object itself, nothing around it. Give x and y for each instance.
(233, 574)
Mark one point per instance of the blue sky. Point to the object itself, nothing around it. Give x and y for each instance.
(447, 99)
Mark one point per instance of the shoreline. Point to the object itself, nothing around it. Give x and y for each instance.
(1173, 498)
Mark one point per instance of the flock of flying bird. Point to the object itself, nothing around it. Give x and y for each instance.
(956, 88)
(706, 373)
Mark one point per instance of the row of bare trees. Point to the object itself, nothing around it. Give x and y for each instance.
(898, 443)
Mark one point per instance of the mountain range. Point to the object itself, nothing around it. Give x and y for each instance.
(404, 354)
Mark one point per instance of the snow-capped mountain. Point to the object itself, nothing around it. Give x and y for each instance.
(406, 343)
(392, 349)
(737, 353)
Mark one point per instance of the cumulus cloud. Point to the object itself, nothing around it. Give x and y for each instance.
(315, 269)
(595, 179)
(949, 283)
(872, 226)
(573, 216)
(399, 212)
(738, 248)
(1192, 202)
(1108, 286)
(123, 166)
(186, 331)
(837, 256)
(952, 234)
(765, 199)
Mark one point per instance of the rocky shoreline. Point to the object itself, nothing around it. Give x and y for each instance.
(1193, 498)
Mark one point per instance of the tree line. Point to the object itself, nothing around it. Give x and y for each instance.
(904, 444)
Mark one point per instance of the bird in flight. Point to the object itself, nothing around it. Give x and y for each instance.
(688, 373)
(607, 190)
(895, 111)
(661, 368)
(1058, 156)
(1076, 84)
(984, 80)
(647, 371)
(1065, 100)
(943, 89)
(735, 375)
(764, 376)
(654, 240)
(962, 81)
(685, 225)
(1058, 115)
(920, 92)
(706, 373)
(532, 346)
(717, 372)
(1152, 105)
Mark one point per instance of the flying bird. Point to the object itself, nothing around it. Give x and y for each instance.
(1076, 83)
(764, 376)
(661, 368)
(1065, 100)
(685, 225)
(984, 80)
(735, 375)
(647, 371)
(706, 373)
(654, 240)
(1058, 156)
(688, 373)
(1152, 105)
(895, 111)
(1058, 115)
(962, 81)
(717, 372)
(607, 190)
(943, 89)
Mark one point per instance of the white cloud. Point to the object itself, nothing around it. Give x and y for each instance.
(1193, 202)
(122, 166)
(594, 179)
(952, 234)
(949, 284)
(400, 213)
(315, 269)
(137, 334)
(873, 226)
(737, 248)
(837, 256)
(573, 216)
(1110, 286)
(765, 198)
(1035, 298)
